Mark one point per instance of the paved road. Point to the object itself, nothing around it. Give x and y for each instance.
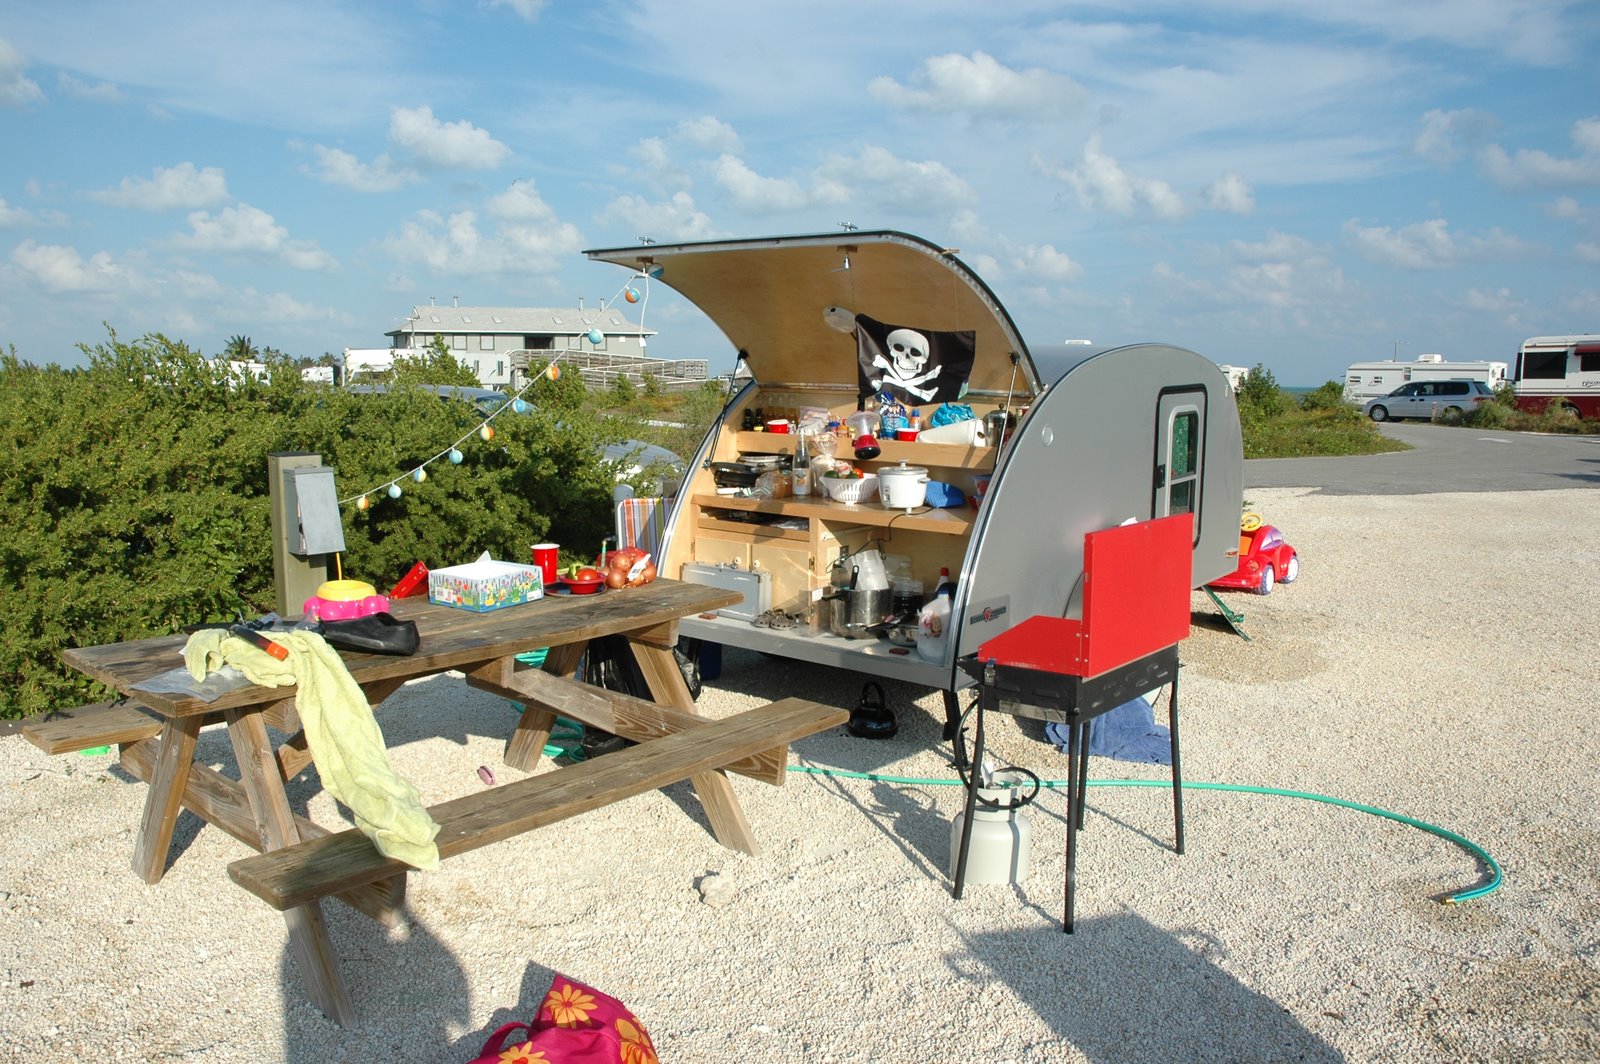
(1442, 459)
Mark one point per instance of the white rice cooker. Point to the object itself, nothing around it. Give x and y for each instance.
(902, 487)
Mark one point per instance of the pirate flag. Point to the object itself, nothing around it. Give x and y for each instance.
(915, 365)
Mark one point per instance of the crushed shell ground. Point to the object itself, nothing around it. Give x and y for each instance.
(1436, 658)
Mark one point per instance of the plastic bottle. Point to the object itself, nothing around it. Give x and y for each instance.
(946, 586)
(916, 421)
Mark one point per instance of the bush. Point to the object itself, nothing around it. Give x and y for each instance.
(1327, 396)
(1259, 391)
(137, 498)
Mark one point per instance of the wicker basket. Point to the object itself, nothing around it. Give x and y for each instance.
(862, 489)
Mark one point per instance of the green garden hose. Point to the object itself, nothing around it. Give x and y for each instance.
(1483, 890)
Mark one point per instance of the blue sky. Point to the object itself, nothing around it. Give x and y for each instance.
(1297, 184)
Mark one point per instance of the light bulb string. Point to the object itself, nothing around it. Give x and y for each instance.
(392, 486)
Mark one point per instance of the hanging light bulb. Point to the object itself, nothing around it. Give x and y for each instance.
(519, 405)
(419, 474)
(486, 431)
(596, 337)
(552, 371)
(363, 503)
(394, 491)
(631, 295)
(456, 456)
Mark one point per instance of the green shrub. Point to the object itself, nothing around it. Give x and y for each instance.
(137, 501)
(1327, 396)
(1259, 391)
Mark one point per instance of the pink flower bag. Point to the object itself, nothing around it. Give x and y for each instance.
(576, 1024)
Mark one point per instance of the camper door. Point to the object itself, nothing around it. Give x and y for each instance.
(1180, 452)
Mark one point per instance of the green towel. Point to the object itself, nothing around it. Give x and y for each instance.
(341, 731)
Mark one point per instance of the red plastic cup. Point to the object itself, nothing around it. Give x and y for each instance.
(544, 556)
(905, 435)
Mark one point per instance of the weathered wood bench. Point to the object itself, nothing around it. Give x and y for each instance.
(96, 724)
(334, 864)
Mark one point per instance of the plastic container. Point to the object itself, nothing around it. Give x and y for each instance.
(855, 489)
(933, 629)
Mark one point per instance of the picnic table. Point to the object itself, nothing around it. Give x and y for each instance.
(300, 863)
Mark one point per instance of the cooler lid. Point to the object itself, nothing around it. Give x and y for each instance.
(768, 296)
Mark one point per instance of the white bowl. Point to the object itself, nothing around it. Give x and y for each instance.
(855, 489)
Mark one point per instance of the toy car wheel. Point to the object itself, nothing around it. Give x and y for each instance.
(1379, 413)
(1268, 578)
(1291, 570)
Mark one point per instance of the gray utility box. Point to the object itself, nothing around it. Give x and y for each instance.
(754, 585)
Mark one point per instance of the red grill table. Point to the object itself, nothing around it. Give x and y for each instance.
(1136, 584)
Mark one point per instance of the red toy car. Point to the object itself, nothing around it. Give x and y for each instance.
(1264, 559)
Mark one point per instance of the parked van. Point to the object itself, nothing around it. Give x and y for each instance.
(1431, 400)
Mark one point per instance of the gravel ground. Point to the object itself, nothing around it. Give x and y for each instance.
(1436, 658)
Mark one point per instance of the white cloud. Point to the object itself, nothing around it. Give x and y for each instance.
(1446, 136)
(13, 216)
(1231, 194)
(62, 269)
(16, 90)
(673, 219)
(526, 10)
(709, 134)
(338, 167)
(1044, 262)
(244, 228)
(1430, 245)
(529, 240)
(104, 92)
(1588, 251)
(447, 145)
(1102, 184)
(1531, 168)
(754, 194)
(181, 187)
(886, 179)
(659, 166)
(1567, 209)
(981, 85)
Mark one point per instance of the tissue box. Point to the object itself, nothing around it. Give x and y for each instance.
(485, 585)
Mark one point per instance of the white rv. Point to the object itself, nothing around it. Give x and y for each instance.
(1563, 370)
(1370, 380)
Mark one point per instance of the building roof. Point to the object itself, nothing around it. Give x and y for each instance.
(519, 321)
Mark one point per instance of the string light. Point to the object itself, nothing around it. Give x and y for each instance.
(516, 403)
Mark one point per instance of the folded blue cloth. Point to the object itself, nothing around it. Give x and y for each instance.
(1127, 733)
(950, 413)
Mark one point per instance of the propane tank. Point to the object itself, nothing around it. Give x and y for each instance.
(1001, 842)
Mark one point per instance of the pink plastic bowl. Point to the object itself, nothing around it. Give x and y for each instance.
(345, 610)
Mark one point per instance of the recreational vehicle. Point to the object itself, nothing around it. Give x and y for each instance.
(1040, 444)
(1370, 380)
(1559, 369)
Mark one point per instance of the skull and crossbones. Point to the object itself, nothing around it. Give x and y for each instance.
(905, 368)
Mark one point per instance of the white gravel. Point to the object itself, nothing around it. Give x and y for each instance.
(1436, 658)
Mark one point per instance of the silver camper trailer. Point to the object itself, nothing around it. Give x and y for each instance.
(1097, 436)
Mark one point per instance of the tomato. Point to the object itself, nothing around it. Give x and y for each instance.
(587, 574)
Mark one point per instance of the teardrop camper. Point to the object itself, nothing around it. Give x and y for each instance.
(1093, 437)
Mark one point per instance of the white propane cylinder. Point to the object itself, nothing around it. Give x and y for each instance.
(1001, 844)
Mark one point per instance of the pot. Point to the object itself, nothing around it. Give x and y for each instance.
(902, 487)
(855, 614)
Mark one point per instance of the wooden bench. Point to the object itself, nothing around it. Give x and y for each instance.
(96, 724)
(316, 868)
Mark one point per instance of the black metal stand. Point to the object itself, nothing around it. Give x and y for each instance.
(1074, 701)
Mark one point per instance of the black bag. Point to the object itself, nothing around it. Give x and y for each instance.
(376, 633)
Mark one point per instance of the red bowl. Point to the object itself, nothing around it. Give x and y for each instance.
(584, 587)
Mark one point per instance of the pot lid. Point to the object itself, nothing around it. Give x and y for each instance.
(902, 470)
(768, 296)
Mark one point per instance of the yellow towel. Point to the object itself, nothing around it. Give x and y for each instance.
(341, 731)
